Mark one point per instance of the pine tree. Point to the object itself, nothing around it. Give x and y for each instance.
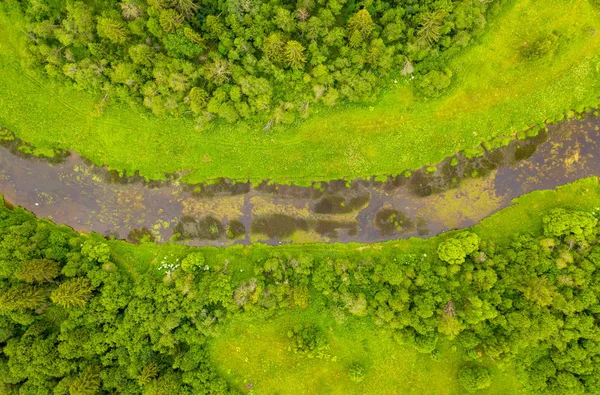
(187, 8)
(273, 47)
(88, 383)
(294, 54)
(361, 23)
(21, 296)
(170, 20)
(430, 29)
(112, 29)
(72, 293)
(198, 99)
(38, 271)
(148, 373)
(193, 36)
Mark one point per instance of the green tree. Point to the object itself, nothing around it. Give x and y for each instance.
(273, 47)
(187, 8)
(198, 99)
(22, 296)
(170, 20)
(112, 30)
(361, 24)
(294, 54)
(561, 223)
(38, 271)
(455, 250)
(193, 262)
(72, 293)
(430, 30)
(474, 378)
(87, 383)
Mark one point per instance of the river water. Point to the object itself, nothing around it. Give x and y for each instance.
(459, 193)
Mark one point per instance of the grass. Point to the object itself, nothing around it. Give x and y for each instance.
(251, 350)
(494, 93)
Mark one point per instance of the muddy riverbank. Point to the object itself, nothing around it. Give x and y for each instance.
(455, 194)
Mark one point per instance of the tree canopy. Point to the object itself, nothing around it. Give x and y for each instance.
(264, 61)
(74, 318)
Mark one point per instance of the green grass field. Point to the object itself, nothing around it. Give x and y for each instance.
(250, 350)
(494, 93)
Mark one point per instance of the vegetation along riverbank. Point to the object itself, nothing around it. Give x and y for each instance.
(508, 305)
(500, 86)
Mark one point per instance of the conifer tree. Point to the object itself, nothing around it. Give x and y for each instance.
(38, 271)
(72, 293)
(21, 296)
(294, 54)
(88, 383)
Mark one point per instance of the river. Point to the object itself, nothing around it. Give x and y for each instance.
(459, 193)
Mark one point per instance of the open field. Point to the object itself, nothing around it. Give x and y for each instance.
(250, 350)
(494, 93)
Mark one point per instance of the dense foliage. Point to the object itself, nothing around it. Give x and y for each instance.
(269, 60)
(75, 320)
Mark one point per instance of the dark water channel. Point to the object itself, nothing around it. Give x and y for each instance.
(459, 193)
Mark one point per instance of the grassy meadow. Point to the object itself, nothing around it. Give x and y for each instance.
(494, 92)
(250, 350)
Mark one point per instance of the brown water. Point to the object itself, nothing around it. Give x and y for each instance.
(88, 198)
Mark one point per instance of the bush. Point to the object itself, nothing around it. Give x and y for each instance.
(474, 378)
(435, 82)
(192, 262)
(356, 372)
(455, 250)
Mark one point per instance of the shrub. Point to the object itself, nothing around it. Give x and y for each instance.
(474, 378)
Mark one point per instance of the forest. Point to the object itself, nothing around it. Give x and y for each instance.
(269, 61)
(76, 320)
(202, 128)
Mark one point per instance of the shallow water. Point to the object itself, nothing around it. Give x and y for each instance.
(458, 194)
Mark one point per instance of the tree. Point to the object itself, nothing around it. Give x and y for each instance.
(193, 262)
(130, 10)
(38, 271)
(435, 82)
(455, 250)
(87, 383)
(72, 293)
(112, 30)
(78, 27)
(198, 99)
(22, 296)
(170, 20)
(474, 378)
(294, 54)
(561, 222)
(273, 47)
(430, 29)
(141, 54)
(218, 71)
(360, 24)
(187, 8)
